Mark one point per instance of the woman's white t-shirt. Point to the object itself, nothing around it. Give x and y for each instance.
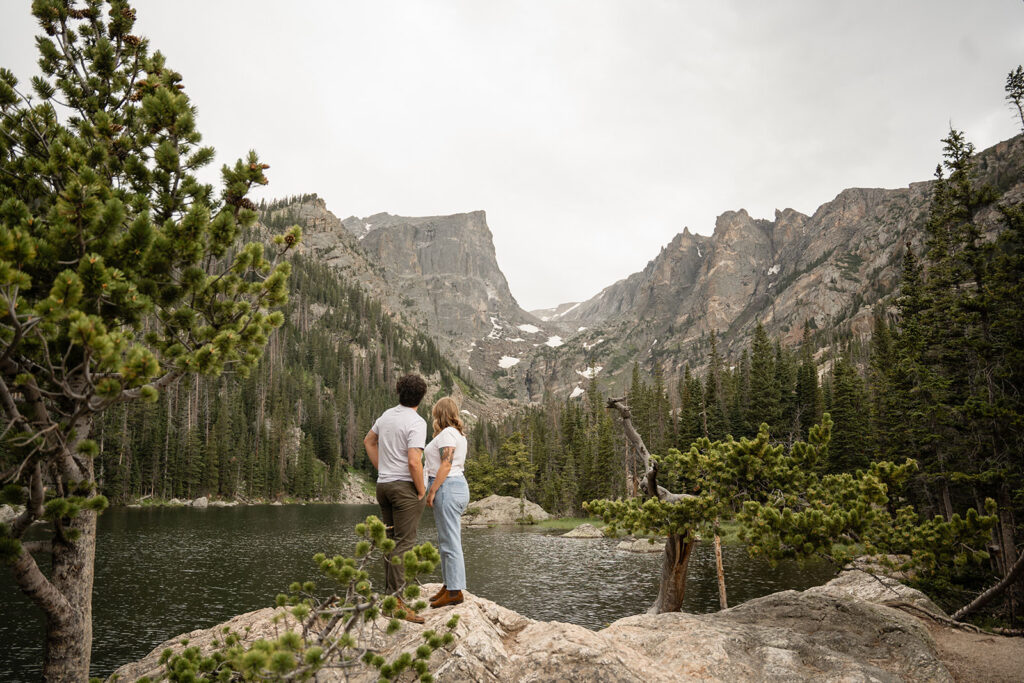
(449, 437)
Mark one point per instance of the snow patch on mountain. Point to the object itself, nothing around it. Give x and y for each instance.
(507, 361)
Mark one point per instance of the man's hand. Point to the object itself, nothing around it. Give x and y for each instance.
(430, 499)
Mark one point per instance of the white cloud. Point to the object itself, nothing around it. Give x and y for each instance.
(569, 121)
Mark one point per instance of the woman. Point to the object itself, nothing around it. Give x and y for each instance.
(448, 495)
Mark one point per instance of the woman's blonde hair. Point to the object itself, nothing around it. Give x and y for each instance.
(446, 414)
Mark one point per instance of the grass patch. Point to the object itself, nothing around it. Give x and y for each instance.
(569, 523)
(729, 531)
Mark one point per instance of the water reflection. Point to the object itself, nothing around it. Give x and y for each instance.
(165, 571)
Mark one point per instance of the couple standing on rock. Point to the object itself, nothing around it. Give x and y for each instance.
(396, 448)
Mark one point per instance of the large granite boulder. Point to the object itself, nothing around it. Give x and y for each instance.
(826, 634)
(494, 510)
(201, 502)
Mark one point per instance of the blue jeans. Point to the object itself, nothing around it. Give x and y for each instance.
(450, 502)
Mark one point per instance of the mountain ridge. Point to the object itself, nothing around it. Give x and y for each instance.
(828, 269)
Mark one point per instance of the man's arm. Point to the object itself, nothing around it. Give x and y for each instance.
(370, 442)
(416, 470)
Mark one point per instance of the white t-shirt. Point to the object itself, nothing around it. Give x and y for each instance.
(449, 437)
(397, 430)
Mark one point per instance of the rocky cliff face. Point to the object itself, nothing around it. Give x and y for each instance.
(828, 269)
(438, 274)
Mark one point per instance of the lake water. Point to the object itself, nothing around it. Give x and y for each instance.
(165, 571)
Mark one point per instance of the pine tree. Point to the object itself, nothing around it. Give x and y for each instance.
(849, 449)
(715, 425)
(764, 388)
(808, 394)
(119, 273)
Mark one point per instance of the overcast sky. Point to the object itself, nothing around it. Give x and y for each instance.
(590, 131)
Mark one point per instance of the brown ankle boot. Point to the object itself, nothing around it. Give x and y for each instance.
(435, 596)
(409, 614)
(449, 598)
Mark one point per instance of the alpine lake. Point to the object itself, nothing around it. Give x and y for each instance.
(164, 571)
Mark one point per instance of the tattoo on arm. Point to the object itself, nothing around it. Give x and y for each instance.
(447, 454)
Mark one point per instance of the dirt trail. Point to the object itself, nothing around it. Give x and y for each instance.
(978, 657)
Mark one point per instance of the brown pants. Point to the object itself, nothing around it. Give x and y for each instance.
(401, 511)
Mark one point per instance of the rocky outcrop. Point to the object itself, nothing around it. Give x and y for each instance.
(831, 633)
(352, 491)
(499, 510)
(7, 514)
(585, 531)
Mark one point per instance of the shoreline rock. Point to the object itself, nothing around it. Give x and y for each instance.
(502, 510)
(825, 633)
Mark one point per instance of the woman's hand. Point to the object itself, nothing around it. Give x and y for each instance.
(430, 498)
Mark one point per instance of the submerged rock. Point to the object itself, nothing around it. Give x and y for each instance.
(825, 633)
(585, 531)
(503, 510)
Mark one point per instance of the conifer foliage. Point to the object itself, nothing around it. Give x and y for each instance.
(119, 274)
(332, 627)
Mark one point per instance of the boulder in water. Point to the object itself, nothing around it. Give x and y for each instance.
(174, 501)
(201, 502)
(585, 531)
(642, 545)
(494, 510)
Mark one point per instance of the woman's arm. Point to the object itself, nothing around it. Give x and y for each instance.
(447, 454)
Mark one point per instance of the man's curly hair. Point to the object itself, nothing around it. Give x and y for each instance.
(410, 390)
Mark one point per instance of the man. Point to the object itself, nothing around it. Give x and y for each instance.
(395, 446)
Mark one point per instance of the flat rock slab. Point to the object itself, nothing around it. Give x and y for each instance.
(500, 510)
(789, 636)
(585, 531)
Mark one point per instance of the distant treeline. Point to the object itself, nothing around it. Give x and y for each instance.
(290, 429)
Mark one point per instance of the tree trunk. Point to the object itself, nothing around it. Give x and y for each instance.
(723, 602)
(673, 575)
(1015, 573)
(69, 635)
(1008, 547)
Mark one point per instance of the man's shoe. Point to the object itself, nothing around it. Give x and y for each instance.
(410, 615)
(449, 598)
(435, 596)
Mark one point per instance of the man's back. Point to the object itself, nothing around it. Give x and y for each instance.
(398, 429)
